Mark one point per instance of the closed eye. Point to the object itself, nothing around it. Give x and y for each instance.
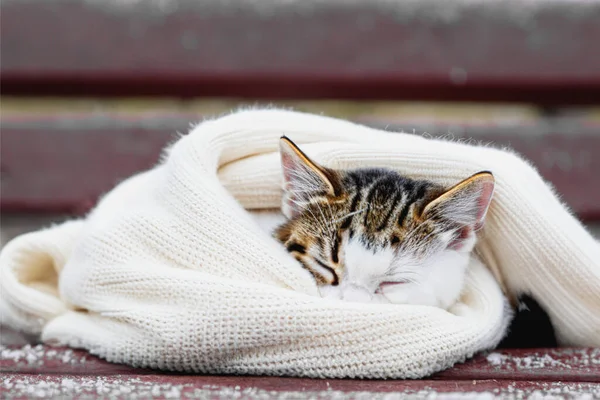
(390, 283)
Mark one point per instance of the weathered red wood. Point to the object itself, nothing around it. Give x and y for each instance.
(40, 359)
(64, 164)
(215, 387)
(64, 167)
(562, 364)
(453, 50)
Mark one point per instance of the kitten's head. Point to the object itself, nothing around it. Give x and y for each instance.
(372, 235)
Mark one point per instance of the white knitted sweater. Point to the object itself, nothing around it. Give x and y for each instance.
(170, 271)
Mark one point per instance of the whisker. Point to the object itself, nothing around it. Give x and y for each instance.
(326, 225)
(351, 214)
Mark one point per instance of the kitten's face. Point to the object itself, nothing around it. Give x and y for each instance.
(372, 235)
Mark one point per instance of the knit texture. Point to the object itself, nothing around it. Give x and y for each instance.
(170, 271)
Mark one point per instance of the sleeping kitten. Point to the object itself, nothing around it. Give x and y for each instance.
(373, 235)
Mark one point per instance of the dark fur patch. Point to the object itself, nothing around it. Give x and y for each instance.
(387, 217)
(336, 279)
(335, 250)
(318, 277)
(403, 214)
(296, 247)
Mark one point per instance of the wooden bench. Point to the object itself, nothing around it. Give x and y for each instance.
(73, 124)
(41, 371)
(44, 154)
(427, 50)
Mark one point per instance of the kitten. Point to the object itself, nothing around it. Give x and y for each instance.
(373, 235)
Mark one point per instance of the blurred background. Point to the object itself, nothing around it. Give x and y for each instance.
(91, 90)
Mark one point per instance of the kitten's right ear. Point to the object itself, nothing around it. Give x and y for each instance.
(303, 178)
(466, 203)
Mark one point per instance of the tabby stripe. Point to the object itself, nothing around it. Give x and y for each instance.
(320, 242)
(370, 195)
(297, 247)
(420, 192)
(369, 198)
(318, 277)
(354, 204)
(336, 249)
(404, 212)
(336, 280)
(386, 219)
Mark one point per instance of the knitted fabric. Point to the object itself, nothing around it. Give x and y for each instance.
(170, 271)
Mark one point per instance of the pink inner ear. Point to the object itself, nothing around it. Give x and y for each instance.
(459, 242)
(483, 203)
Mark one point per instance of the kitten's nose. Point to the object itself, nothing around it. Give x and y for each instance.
(357, 295)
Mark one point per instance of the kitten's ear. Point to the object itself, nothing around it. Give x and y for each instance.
(303, 178)
(466, 203)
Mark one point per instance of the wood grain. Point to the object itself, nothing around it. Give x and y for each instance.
(203, 387)
(50, 372)
(560, 364)
(63, 163)
(447, 51)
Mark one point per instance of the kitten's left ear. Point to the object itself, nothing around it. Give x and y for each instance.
(303, 178)
(466, 203)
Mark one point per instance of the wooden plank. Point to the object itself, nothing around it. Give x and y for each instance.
(66, 166)
(431, 50)
(213, 387)
(42, 157)
(40, 359)
(560, 364)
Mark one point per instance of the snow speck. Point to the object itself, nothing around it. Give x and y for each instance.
(495, 358)
(19, 386)
(37, 356)
(574, 359)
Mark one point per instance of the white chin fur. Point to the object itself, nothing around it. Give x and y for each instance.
(439, 285)
(441, 280)
(354, 295)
